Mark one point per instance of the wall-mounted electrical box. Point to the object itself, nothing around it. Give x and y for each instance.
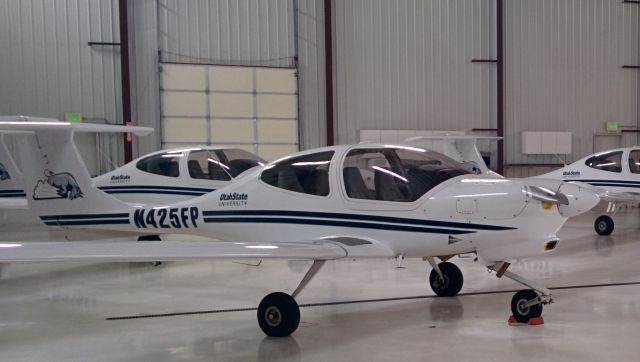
(546, 143)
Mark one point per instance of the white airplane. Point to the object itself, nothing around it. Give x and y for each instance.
(341, 202)
(615, 173)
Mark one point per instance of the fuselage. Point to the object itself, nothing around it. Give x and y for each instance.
(408, 201)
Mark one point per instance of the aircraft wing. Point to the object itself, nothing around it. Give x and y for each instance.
(130, 251)
(335, 247)
(620, 196)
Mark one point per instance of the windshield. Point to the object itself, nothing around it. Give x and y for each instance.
(396, 173)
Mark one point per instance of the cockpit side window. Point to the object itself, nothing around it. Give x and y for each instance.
(634, 161)
(164, 164)
(400, 174)
(206, 165)
(610, 161)
(308, 174)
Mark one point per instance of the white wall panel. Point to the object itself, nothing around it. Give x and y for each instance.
(563, 71)
(407, 65)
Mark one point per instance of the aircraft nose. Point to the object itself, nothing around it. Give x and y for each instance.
(580, 199)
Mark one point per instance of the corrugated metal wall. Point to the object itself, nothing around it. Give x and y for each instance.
(398, 64)
(247, 32)
(563, 63)
(407, 65)
(311, 67)
(252, 32)
(47, 68)
(145, 92)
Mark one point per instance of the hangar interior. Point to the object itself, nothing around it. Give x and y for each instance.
(557, 79)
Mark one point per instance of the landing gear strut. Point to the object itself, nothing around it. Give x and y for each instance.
(445, 278)
(279, 313)
(525, 304)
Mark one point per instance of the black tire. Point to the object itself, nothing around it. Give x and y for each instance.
(603, 225)
(452, 282)
(278, 315)
(523, 315)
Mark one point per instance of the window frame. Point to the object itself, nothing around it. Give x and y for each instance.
(160, 155)
(357, 203)
(607, 154)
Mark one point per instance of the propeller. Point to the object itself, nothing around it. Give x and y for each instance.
(544, 194)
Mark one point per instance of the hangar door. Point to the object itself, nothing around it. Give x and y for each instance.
(253, 108)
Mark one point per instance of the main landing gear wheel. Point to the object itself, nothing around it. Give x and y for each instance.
(278, 315)
(451, 281)
(523, 312)
(604, 225)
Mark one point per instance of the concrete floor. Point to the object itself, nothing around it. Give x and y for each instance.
(59, 312)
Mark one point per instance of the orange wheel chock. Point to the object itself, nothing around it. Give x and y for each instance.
(532, 322)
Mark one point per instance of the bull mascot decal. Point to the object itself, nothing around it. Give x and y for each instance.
(4, 174)
(57, 186)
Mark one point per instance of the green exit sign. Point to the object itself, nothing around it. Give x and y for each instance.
(73, 117)
(612, 126)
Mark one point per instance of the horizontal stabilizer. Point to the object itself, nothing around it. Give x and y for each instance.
(22, 124)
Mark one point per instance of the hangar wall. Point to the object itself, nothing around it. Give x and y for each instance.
(407, 65)
(397, 64)
(47, 68)
(564, 72)
(258, 33)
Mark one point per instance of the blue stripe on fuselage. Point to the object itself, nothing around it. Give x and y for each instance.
(359, 217)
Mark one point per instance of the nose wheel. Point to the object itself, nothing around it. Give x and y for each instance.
(446, 279)
(526, 304)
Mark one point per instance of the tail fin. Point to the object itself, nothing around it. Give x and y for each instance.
(56, 180)
(462, 148)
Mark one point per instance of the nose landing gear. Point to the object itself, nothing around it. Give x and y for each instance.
(527, 304)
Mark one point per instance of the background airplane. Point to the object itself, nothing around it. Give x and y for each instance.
(341, 202)
(615, 172)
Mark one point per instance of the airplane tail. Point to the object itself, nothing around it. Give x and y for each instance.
(57, 184)
(462, 148)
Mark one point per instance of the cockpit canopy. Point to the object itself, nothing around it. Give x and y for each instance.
(396, 173)
(207, 164)
(391, 173)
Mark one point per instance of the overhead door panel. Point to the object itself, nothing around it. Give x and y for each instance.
(254, 108)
